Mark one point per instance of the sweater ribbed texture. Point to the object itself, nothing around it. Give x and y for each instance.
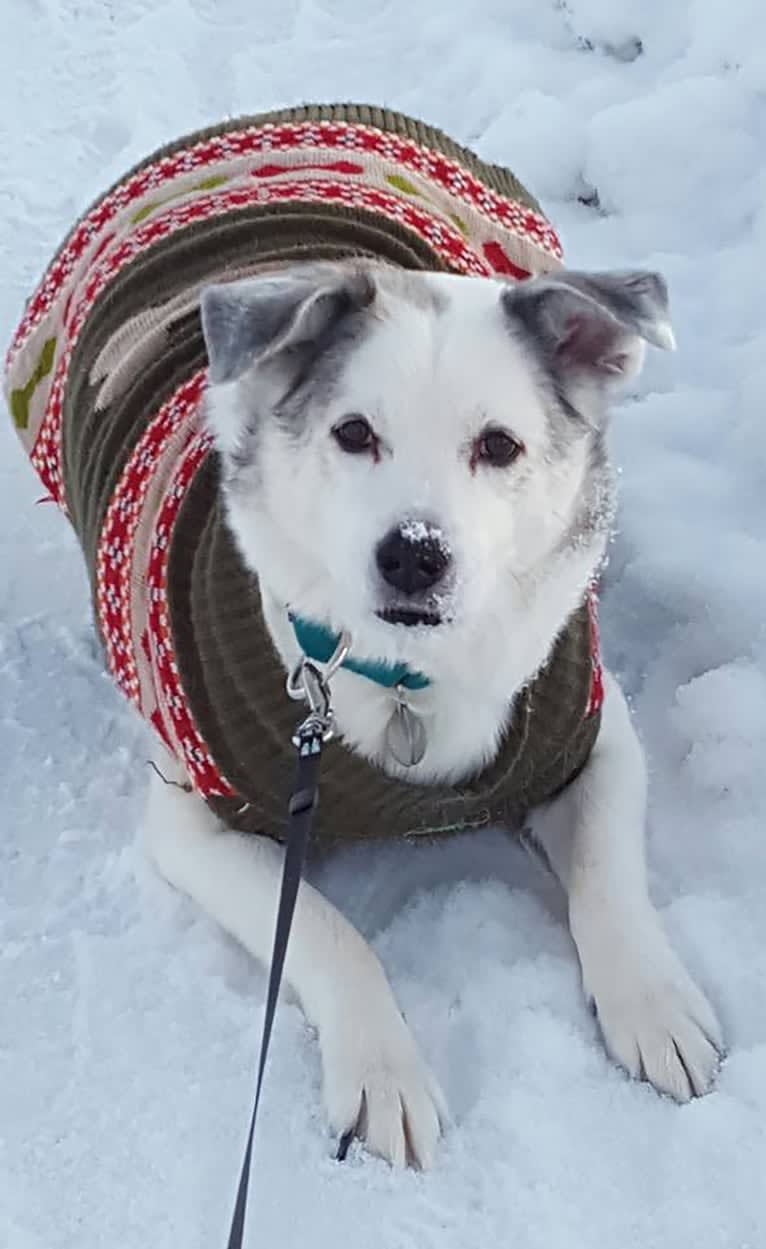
(111, 338)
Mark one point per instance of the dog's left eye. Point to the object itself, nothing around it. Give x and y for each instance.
(355, 435)
(496, 447)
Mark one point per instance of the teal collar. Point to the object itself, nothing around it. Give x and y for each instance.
(319, 643)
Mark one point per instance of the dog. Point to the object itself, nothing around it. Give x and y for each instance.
(417, 460)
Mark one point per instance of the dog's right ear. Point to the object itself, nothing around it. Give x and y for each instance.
(589, 329)
(283, 319)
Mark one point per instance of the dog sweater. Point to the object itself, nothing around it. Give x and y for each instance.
(105, 380)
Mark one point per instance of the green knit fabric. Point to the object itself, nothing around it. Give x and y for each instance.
(232, 677)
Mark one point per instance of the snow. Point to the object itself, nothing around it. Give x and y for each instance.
(420, 531)
(129, 1024)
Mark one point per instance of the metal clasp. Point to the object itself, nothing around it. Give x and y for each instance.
(309, 684)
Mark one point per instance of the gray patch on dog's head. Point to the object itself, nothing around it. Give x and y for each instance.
(586, 332)
(258, 320)
(636, 301)
(314, 366)
(584, 335)
(280, 339)
(315, 370)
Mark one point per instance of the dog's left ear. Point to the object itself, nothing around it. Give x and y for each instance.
(279, 319)
(591, 328)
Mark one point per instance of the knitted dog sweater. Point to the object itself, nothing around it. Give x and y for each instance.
(105, 379)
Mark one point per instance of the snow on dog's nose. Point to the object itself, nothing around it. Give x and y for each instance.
(413, 558)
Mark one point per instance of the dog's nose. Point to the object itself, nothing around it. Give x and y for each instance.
(412, 561)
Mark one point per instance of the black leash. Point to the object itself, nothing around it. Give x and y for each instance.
(307, 683)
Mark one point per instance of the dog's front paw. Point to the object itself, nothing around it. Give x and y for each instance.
(655, 1022)
(377, 1086)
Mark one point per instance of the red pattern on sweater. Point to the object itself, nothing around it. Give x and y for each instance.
(446, 241)
(144, 667)
(336, 135)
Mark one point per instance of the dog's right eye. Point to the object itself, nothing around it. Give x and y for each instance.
(355, 435)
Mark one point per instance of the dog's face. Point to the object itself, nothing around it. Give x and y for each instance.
(404, 454)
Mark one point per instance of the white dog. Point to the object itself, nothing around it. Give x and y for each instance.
(389, 423)
(419, 459)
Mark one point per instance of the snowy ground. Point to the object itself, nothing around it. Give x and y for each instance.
(128, 1024)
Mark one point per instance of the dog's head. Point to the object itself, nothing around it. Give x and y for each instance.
(405, 455)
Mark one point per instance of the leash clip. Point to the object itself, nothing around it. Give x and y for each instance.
(308, 684)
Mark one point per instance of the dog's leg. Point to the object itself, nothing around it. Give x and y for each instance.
(655, 1021)
(375, 1081)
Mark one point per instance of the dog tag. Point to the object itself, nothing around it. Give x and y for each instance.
(406, 736)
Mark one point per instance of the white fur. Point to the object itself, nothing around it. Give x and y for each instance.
(307, 518)
(429, 383)
(370, 1060)
(655, 1021)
